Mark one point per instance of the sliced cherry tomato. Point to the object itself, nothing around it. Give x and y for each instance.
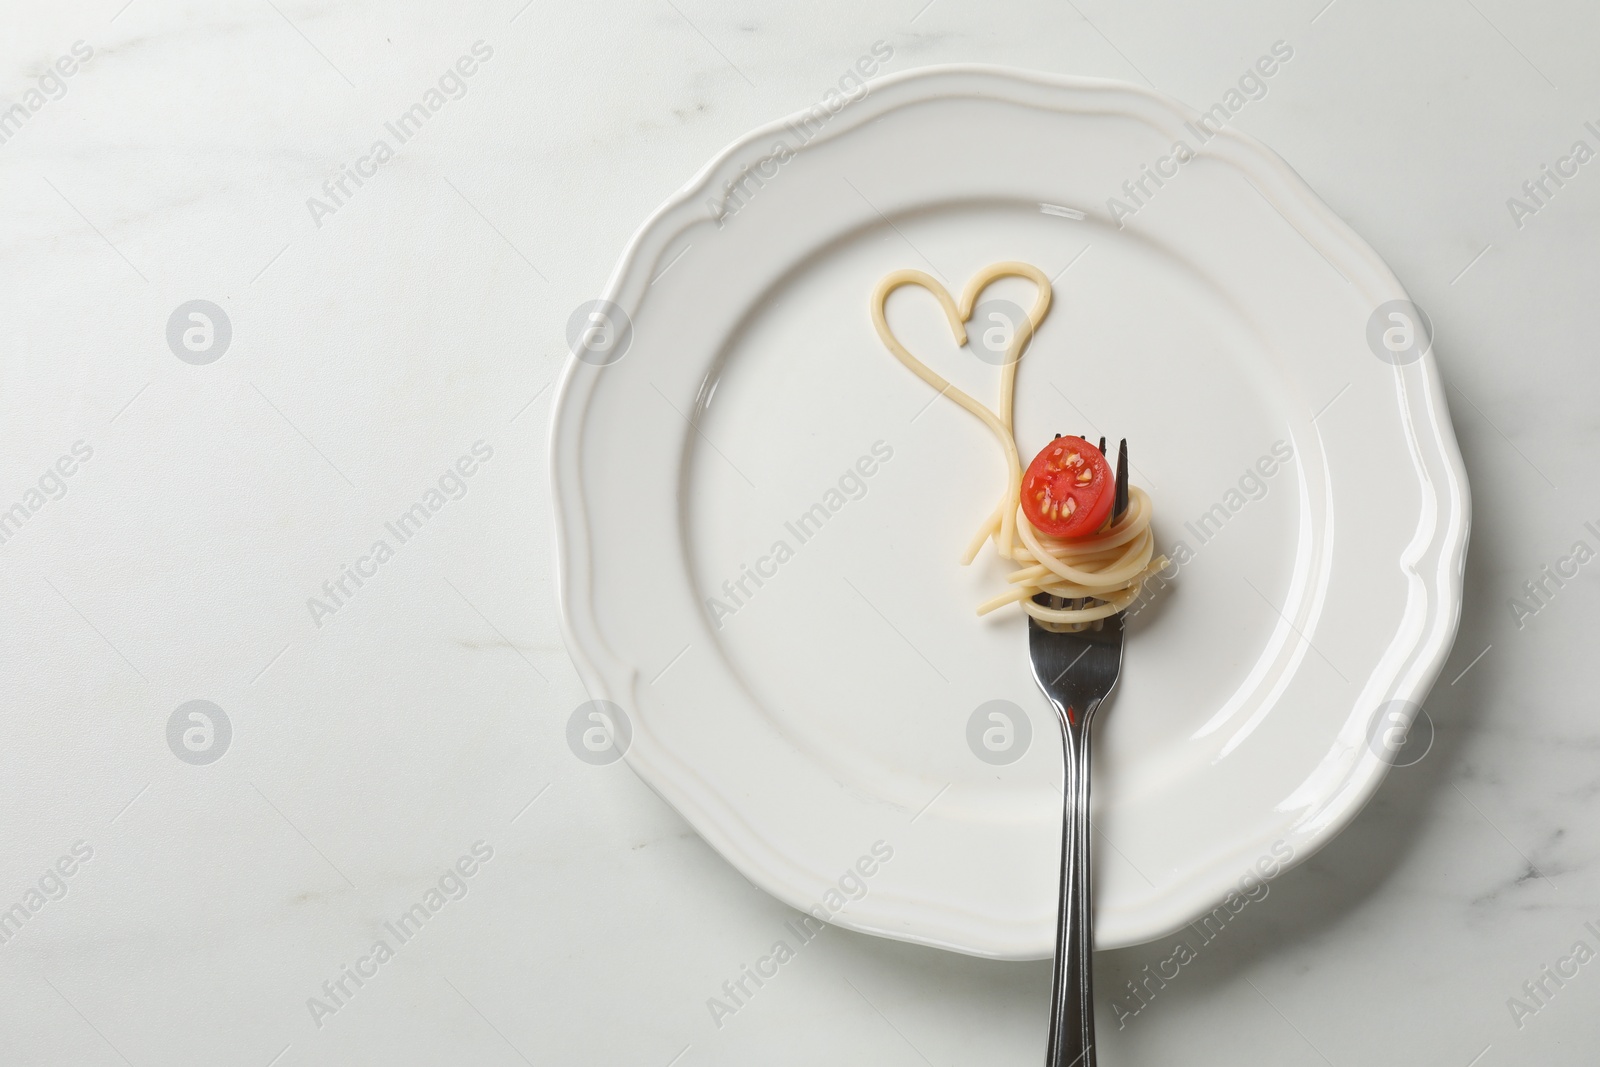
(1068, 489)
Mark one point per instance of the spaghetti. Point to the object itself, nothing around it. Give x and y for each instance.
(1096, 576)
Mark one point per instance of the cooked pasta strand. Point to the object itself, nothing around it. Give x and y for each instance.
(1107, 568)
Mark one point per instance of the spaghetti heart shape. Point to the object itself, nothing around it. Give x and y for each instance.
(958, 315)
(1101, 572)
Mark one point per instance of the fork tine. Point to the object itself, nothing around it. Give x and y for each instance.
(1122, 482)
(1102, 446)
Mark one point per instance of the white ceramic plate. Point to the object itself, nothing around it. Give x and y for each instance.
(830, 709)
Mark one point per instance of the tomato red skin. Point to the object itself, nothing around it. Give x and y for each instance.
(1091, 500)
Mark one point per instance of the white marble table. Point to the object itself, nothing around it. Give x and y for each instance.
(401, 741)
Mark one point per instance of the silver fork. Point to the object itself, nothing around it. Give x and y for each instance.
(1077, 671)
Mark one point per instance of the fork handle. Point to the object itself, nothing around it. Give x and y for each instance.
(1072, 994)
